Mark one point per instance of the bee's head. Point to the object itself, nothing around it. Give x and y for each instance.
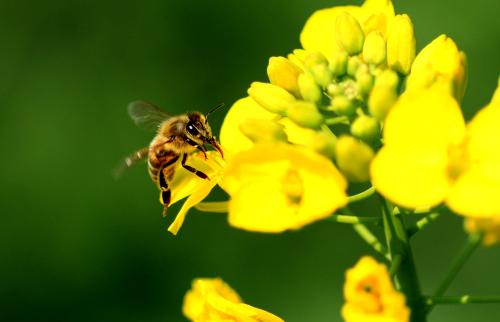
(199, 131)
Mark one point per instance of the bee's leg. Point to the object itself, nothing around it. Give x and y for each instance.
(191, 169)
(165, 193)
(199, 147)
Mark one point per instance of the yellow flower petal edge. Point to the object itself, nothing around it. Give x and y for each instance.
(319, 32)
(440, 62)
(370, 295)
(211, 299)
(276, 187)
(188, 184)
(412, 169)
(234, 141)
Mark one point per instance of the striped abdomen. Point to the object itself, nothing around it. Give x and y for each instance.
(162, 161)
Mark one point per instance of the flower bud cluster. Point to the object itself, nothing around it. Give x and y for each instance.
(357, 83)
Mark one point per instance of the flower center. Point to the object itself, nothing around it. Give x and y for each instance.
(458, 161)
(293, 187)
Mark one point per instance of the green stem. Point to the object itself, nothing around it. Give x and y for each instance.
(472, 243)
(371, 240)
(422, 223)
(464, 299)
(395, 264)
(348, 219)
(406, 275)
(362, 195)
(337, 120)
(213, 206)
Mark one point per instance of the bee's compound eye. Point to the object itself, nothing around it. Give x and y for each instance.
(191, 129)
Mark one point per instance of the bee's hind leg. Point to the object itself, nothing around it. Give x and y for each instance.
(191, 169)
(165, 193)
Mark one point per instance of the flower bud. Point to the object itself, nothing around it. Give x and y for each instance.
(309, 90)
(338, 63)
(380, 101)
(260, 130)
(284, 73)
(353, 158)
(342, 106)
(325, 144)
(387, 78)
(364, 81)
(366, 128)
(401, 44)
(322, 75)
(353, 64)
(271, 97)
(349, 34)
(439, 62)
(334, 90)
(314, 59)
(374, 50)
(298, 57)
(305, 114)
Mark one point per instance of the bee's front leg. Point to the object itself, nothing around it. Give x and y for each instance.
(191, 169)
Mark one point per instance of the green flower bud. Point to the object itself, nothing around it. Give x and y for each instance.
(364, 81)
(387, 78)
(354, 158)
(334, 90)
(381, 99)
(271, 97)
(325, 143)
(342, 106)
(309, 90)
(314, 59)
(338, 63)
(349, 34)
(401, 44)
(284, 73)
(353, 64)
(374, 51)
(260, 130)
(321, 74)
(305, 114)
(366, 128)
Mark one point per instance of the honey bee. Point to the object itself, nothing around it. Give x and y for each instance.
(176, 138)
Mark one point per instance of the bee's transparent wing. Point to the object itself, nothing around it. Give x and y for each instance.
(129, 161)
(146, 115)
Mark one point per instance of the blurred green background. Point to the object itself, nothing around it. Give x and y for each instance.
(75, 245)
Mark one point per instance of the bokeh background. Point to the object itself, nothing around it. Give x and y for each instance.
(75, 245)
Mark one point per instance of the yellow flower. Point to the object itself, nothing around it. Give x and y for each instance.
(212, 300)
(234, 141)
(370, 296)
(490, 227)
(283, 73)
(430, 156)
(440, 62)
(320, 32)
(275, 187)
(186, 184)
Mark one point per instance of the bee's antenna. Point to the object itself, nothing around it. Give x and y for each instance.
(214, 109)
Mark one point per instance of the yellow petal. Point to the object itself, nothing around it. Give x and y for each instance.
(425, 118)
(319, 32)
(186, 183)
(231, 137)
(483, 134)
(411, 177)
(274, 187)
(476, 192)
(234, 141)
(439, 62)
(210, 300)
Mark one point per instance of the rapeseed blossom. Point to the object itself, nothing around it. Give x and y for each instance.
(210, 300)
(370, 296)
